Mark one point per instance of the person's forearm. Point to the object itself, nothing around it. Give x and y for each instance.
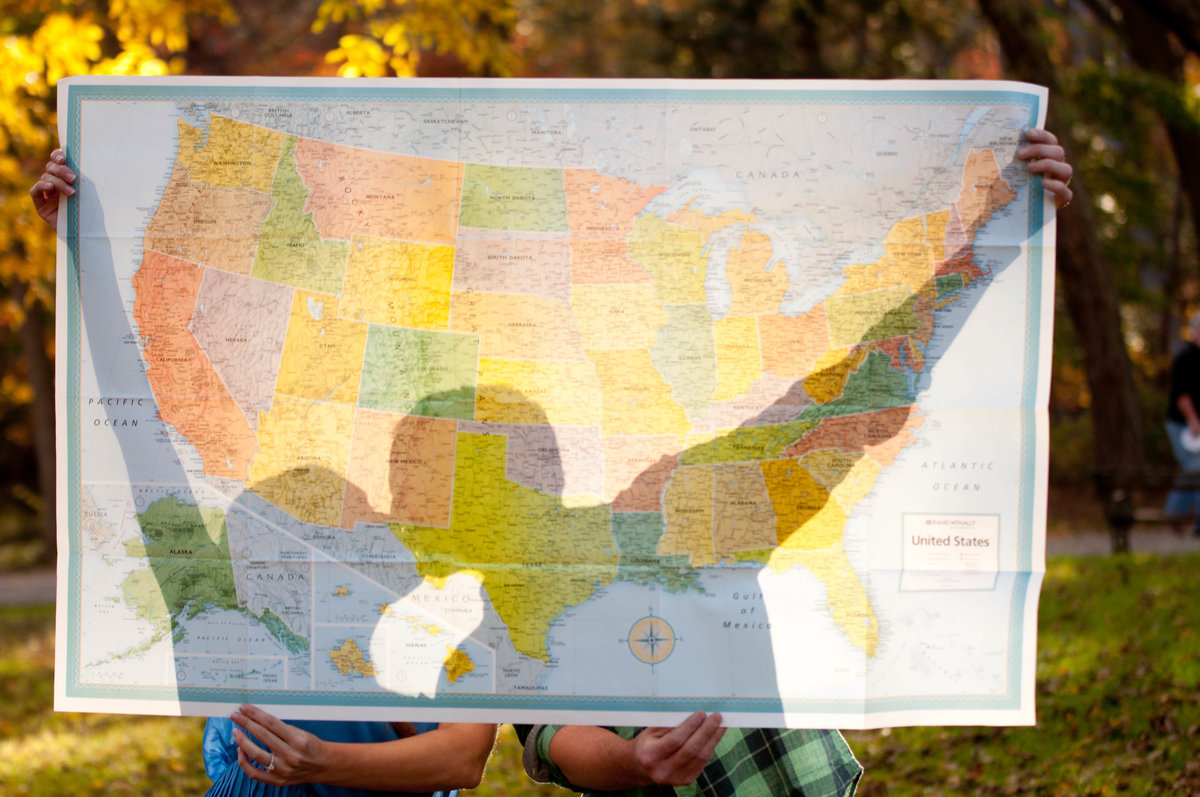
(452, 756)
(596, 758)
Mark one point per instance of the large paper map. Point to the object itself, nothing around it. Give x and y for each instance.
(587, 401)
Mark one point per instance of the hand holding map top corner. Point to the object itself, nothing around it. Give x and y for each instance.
(56, 180)
(1046, 157)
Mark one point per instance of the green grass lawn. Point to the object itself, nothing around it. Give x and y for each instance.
(1118, 709)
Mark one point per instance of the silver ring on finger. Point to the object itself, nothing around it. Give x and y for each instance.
(271, 764)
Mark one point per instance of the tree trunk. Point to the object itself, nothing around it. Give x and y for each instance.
(1181, 17)
(1152, 49)
(1086, 283)
(41, 379)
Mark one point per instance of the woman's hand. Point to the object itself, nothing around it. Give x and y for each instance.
(295, 756)
(57, 180)
(451, 756)
(1047, 158)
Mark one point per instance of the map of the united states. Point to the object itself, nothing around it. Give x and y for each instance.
(525, 373)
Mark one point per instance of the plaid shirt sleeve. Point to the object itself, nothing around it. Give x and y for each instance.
(766, 762)
(748, 762)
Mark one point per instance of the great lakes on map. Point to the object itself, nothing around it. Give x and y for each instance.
(497, 397)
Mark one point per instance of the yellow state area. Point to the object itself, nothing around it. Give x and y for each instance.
(846, 598)
(231, 155)
(673, 256)
(322, 354)
(688, 516)
(860, 317)
(829, 375)
(301, 465)
(634, 399)
(739, 361)
(518, 542)
(520, 391)
(458, 663)
(398, 283)
(935, 233)
(617, 316)
(349, 660)
(907, 260)
(517, 326)
(806, 516)
(753, 289)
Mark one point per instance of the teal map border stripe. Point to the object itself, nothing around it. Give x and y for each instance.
(407, 93)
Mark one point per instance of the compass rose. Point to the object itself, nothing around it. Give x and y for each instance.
(651, 639)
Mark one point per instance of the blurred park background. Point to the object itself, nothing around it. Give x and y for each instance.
(1119, 666)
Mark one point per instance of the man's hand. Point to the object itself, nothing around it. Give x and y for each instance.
(598, 759)
(676, 756)
(55, 181)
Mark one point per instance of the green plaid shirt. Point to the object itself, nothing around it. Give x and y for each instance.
(748, 762)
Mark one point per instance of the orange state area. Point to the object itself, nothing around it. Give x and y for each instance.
(401, 470)
(190, 395)
(605, 263)
(806, 515)
(637, 470)
(601, 207)
(791, 346)
(360, 192)
(900, 350)
(705, 224)
(216, 227)
(984, 191)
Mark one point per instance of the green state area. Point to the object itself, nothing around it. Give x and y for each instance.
(290, 250)
(189, 571)
(685, 353)
(637, 535)
(534, 557)
(748, 444)
(418, 372)
(513, 198)
(949, 284)
(874, 385)
(278, 629)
